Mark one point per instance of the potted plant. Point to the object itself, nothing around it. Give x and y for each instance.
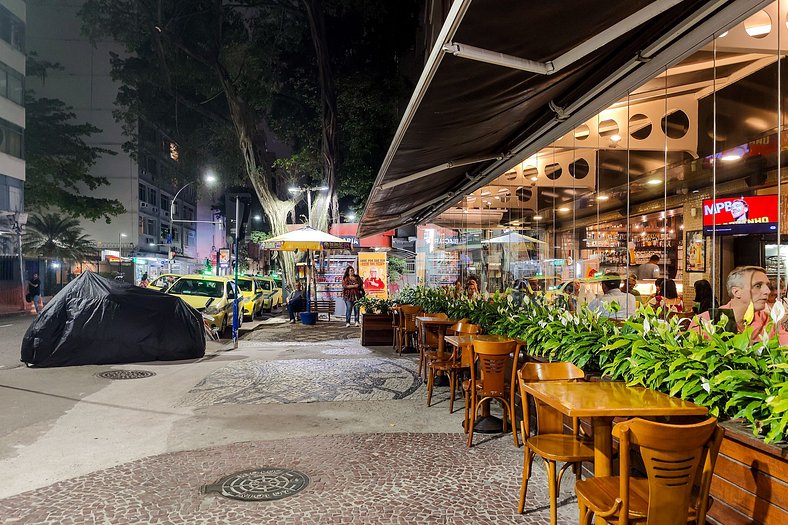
(376, 320)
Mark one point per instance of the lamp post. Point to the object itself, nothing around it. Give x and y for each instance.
(120, 252)
(209, 179)
(308, 189)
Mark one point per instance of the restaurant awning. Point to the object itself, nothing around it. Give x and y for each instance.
(506, 78)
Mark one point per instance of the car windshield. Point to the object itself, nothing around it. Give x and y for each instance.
(198, 287)
(265, 285)
(245, 285)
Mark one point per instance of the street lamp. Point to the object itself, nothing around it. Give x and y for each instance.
(120, 252)
(308, 189)
(209, 179)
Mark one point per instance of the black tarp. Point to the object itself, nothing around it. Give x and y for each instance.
(94, 321)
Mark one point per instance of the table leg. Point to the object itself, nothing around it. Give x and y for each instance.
(603, 446)
(441, 379)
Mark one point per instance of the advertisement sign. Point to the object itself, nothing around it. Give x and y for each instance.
(736, 215)
(224, 258)
(372, 269)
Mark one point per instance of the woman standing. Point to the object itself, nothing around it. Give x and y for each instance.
(351, 293)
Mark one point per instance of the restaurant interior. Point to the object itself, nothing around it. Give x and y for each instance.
(640, 178)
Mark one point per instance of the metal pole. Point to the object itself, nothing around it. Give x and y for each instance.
(21, 264)
(120, 254)
(235, 301)
(309, 206)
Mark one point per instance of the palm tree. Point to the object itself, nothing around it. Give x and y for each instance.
(52, 236)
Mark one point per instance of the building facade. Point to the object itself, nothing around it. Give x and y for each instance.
(143, 183)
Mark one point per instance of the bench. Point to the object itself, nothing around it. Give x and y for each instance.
(324, 306)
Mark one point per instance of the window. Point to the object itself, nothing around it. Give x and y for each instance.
(12, 29)
(150, 228)
(164, 233)
(153, 197)
(189, 240)
(165, 202)
(141, 226)
(143, 192)
(14, 198)
(11, 141)
(15, 89)
(176, 235)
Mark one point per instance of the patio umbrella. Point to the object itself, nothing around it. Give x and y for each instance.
(513, 238)
(309, 239)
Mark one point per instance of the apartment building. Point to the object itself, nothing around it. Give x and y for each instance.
(142, 183)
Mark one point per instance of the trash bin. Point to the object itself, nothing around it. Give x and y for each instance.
(308, 317)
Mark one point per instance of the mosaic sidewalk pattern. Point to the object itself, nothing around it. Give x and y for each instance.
(308, 381)
(385, 479)
(322, 331)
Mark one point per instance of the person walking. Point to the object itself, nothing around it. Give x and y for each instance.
(144, 282)
(351, 293)
(34, 291)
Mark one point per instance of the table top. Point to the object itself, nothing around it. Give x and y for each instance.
(610, 399)
(434, 320)
(464, 340)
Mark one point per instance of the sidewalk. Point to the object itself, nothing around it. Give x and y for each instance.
(353, 419)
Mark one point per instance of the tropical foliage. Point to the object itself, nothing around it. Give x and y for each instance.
(726, 372)
(53, 236)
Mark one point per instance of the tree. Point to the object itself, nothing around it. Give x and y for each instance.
(59, 159)
(53, 236)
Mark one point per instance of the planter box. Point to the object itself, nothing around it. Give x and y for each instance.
(376, 330)
(750, 483)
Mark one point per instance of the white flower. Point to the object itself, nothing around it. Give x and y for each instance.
(706, 385)
(708, 326)
(646, 325)
(764, 337)
(778, 312)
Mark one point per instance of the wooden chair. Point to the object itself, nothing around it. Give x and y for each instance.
(550, 442)
(453, 364)
(408, 314)
(492, 358)
(679, 462)
(428, 340)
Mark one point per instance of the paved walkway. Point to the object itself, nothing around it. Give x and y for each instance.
(352, 419)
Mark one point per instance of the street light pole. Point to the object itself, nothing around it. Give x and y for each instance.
(308, 190)
(235, 301)
(120, 252)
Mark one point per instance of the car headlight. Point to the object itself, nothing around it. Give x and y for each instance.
(212, 310)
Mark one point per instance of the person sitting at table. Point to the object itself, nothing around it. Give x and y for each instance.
(704, 297)
(472, 288)
(626, 304)
(666, 296)
(295, 301)
(748, 285)
(629, 285)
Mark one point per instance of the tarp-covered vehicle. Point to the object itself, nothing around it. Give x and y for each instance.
(94, 320)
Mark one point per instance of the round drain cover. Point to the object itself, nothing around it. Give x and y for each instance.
(261, 484)
(125, 374)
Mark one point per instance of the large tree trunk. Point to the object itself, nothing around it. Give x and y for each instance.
(326, 205)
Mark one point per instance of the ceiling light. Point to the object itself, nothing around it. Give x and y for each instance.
(485, 193)
(759, 30)
(602, 197)
(695, 191)
(615, 138)
(534, 179)
(563, 208)
(730, 158)
(723, 35)
(538, 217)
(654, 182)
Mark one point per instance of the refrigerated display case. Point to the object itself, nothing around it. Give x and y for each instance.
(330, 270)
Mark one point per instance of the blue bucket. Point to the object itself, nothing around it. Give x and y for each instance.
(308, 317)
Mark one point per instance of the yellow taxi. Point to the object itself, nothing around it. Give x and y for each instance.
(253, 295)
(211, 295)
(272, 292)
(163, 281)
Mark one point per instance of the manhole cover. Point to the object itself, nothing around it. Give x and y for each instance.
(125, 374)
(261, 484)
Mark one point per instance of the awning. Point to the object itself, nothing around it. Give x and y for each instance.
(506, 78)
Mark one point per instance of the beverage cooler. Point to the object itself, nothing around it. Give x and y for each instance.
(330, 270)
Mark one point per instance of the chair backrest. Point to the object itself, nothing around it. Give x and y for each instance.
(409, 313)
(465, 328)
(671, 455)
(493, 357)
(548, 419)
(452, 330)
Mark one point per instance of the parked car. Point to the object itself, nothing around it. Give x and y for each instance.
(163, 281)
(211, 295)
(253, 293)
(272, 292)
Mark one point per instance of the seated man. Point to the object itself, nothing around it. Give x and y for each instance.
(295, 301)
(627, 304)
(748, 284)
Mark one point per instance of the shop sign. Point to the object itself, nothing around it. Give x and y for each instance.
(353, 240)
(372, 269)
(224, 258)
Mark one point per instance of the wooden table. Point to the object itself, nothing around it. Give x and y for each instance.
(426, 323)
(602, 401)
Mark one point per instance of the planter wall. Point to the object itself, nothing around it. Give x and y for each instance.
(750, 483)
(376, 330)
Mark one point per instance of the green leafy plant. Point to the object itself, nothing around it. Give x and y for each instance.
(375, 305)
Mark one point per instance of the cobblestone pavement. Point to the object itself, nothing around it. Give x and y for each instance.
(355, 479)
(277, 329)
